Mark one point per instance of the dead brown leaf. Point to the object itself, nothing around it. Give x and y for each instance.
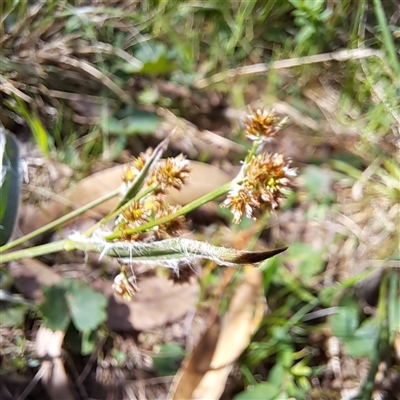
(244, 313)
(196, 364)
(239, 323)
(158, 303)
(203, 179)
(30, 275)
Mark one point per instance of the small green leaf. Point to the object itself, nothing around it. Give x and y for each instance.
(54, 308)
(10, 185)
(134, 123)
(12, 315)
(277, 375)
(137, 184)
(363, 341)
(345, 322)
(309, 260)
(318, 183)
(168, 359)
(86, 306)
(301, 370)
(88, 343)
(156, 59)
(35, 124)
(262, 391)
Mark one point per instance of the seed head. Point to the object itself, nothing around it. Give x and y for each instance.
(263, 124)
(172, 173)
(172, 228)
(136, 166)
(124, 286)
(260, 186)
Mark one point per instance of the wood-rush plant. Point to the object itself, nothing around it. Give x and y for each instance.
(148, 230)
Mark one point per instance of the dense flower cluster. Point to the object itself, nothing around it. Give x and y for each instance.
(147, 217)
(124, 286)
(260, 186)
(263, 179)
(136, 166)
(263, 124)
(172, 172)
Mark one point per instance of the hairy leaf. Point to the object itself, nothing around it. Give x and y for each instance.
(170, 252)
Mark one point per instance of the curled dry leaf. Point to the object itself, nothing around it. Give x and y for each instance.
(244, 314)
(196, 364)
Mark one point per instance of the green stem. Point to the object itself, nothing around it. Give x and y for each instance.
(182, 211)
(59, 221)
(252, 151)
(387, 37)
(37, 251)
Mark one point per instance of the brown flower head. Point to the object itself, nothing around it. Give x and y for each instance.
(124, 286)
(172, 228)
(172, 173)
(260, 186)
(241, 201)
(136, 166)
(263, 124)
(137, 213)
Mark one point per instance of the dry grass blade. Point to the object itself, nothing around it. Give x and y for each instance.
(87, 68)
(262, 68)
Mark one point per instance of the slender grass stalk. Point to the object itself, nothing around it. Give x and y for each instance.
(37, 251)
(387, 37)
(59, 221)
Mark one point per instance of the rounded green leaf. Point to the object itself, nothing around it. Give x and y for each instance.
(54, 308)
(86, 306)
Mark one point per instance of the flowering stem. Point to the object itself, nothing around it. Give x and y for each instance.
(37, 251)
(118, 211)
(59, 221)
(182, 211)
(252, 151)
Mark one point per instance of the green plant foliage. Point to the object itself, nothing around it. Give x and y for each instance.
(358, 340)
(35, 124)
(156, 60)
(309, 260)
(10, 182)
(261, 391)
(167, 360)
(131, 122)
(318, 183)
(12, 315)
(54, 308)
(86, 306)
(394, 306)
(75, 301)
